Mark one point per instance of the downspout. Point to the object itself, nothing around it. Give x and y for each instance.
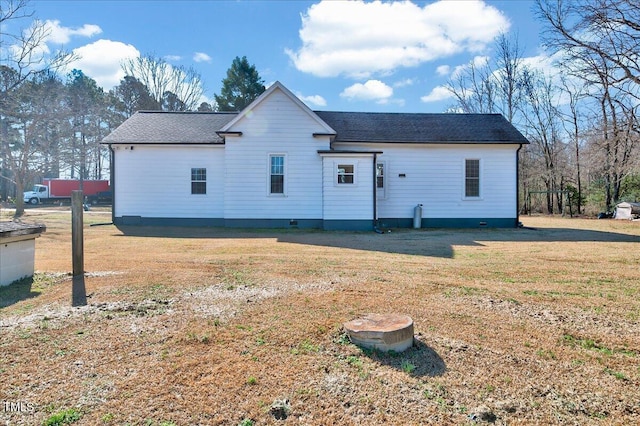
(517, 224)
(112, 182)
(375, 195)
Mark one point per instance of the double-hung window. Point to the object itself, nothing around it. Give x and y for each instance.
(381, 180)
(276, 173)
(472, 178)
(346, 173)
(380, 175)
(198, 181)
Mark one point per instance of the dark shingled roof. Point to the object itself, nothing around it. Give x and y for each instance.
(159, 127)
(421, 128)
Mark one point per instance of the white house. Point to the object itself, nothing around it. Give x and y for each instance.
(279, 164)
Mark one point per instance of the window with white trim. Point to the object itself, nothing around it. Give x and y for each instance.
(198, 181)
(380, 175)
(346, 174)
(472, 178)
(276, 174)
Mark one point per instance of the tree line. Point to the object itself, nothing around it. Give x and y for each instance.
(582, 119)
(51, 125)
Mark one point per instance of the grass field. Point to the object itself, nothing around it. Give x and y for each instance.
(539, 325)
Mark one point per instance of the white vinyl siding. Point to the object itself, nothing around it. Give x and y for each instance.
(433, 175)
(279, 124)
(348, 201)
(154, 181)
(269, 168)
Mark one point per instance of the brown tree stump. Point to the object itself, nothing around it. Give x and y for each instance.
(385, 332)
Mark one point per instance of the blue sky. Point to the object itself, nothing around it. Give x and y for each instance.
(344, 56)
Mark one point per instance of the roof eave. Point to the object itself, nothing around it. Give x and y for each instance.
(228, 133)
(488, 142)
(347, 152)
(106, 142)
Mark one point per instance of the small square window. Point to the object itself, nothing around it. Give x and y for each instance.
(346, 173)
(198, 181)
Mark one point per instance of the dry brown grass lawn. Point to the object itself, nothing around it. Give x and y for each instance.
(214, 326)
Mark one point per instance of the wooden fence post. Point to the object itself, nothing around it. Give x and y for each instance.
(78, 293)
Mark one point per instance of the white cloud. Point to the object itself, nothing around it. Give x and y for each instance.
(477, 61)
(101, 61)
(438, 93)
(371, 90)
(54, 33)
(201, 57)
(361, 39)
(316, 100)
(443, 70)
(62, 35)
(404, 83)
(543, 63)
(172, 58)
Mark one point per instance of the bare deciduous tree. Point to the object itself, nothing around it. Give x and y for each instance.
(474, 87)
(508, 74)
(490, 86)
(161, 78)
(599, 42)
(572, 119)
(24, 52)
(607, 28)
(543, 129)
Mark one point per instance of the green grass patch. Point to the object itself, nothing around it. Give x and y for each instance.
(407, 367)
(27, 288)
(65, 417)
(593, 345)
(617, 374)
(355, 361)
(305, 347)
(546, 354)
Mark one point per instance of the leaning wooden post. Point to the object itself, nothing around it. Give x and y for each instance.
(78, 293)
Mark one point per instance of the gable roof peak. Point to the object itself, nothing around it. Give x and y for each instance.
(277, 85)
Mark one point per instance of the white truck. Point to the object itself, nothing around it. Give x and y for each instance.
(59, 190)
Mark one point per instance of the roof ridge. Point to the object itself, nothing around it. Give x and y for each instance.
(412, 113)
(187, 112)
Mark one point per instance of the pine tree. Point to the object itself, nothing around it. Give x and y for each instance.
(242, 85)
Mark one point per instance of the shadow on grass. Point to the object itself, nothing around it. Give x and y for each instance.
(419, 360)
(16, 292)
(421, 242)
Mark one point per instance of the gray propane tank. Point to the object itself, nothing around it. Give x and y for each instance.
(417, 216)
